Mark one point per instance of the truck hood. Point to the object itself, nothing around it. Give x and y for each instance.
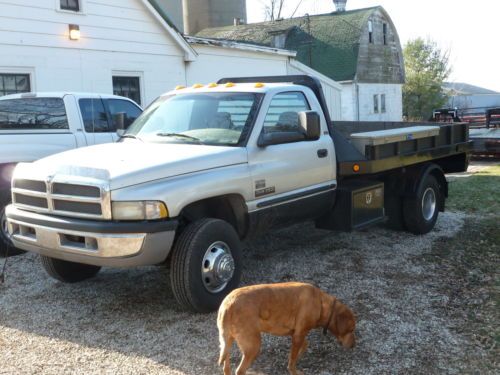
(133, 162)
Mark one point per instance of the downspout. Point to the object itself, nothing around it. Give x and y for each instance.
(356, 86)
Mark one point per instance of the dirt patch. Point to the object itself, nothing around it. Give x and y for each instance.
(126, 321)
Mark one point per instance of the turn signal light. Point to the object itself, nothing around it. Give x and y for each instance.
(356, 168)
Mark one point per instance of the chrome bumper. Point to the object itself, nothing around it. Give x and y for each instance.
(109, 244)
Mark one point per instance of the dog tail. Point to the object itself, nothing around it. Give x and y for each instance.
(225, 338)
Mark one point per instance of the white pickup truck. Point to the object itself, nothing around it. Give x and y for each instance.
(35, 125)
(205, 167)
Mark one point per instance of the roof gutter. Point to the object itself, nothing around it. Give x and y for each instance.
(240, 46)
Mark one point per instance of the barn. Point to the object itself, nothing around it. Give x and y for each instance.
(358, 48)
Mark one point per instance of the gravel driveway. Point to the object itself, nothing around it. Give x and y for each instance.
(127, 322)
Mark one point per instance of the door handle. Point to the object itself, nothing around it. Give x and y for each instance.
(323, 153)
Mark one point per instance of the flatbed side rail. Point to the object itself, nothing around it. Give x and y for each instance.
(453, 139)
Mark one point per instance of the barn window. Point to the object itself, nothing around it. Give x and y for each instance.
(72, 5)
(370, 31)
(382, 103)
(129, 87)
(385, 34)
(14, 83)
(375, 103)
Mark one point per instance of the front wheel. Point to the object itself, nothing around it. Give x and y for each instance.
(206, 264)
(421, 210)
(68, 272)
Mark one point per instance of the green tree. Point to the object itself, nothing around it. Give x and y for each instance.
(427, 67)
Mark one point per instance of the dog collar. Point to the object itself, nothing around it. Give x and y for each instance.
(325, 328)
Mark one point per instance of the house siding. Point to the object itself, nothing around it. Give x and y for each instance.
(214, 63)
(116, 36)
(379, 63)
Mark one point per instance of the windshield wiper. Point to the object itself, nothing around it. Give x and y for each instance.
(180, 135)
(131, 136)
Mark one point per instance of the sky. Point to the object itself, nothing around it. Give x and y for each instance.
(469, 29)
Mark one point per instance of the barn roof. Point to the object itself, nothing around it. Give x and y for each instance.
(328, 43)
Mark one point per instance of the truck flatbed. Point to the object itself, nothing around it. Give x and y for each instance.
(452, 140)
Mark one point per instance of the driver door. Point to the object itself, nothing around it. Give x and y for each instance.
(291, 180)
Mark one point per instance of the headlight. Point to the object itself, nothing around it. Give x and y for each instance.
(146, 210)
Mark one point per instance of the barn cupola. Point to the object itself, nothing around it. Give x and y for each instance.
(340, 5)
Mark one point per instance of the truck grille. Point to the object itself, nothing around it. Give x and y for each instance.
(62, 198)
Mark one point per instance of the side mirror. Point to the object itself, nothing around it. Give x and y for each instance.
(277, 138)
(119, 121)
(310, 124)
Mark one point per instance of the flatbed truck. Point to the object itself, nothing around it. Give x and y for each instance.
(206, 167)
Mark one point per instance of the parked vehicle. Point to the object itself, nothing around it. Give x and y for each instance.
(484, 128)
(206, 167)
(35, 125)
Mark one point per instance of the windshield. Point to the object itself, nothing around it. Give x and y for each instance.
(220, 119)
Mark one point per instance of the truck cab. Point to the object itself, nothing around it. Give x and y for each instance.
(205, 167)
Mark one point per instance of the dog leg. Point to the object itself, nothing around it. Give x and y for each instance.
(225, 349)
(299, 345)
(302, 349)
(250, 348)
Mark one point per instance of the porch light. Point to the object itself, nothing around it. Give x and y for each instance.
(74, 32)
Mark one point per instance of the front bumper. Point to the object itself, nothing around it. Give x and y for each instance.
(99, 243)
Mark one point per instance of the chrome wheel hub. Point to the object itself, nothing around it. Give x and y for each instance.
(217, 268)
(428, 204)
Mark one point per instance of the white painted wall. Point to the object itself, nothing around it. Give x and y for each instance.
(123, 37)
(331, 89)
(393, 97)
(116, 36)
(214, 63)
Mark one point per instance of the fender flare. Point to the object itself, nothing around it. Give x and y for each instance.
(418, 176)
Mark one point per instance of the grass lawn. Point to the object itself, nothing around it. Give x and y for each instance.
(470, 263)
(477, 193)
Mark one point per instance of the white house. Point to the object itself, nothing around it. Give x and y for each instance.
(125, 47)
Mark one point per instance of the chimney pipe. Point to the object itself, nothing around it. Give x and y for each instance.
(340, 5)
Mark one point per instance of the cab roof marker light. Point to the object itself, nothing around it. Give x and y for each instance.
(259, 85)
(212, 85)
(230, 84)
(180, 87)
(197, 86)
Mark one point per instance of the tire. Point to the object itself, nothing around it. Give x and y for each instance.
(68, 272)
(203, 246)
(421, 210)
(6, 246)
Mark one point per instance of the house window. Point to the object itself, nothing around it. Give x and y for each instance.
(375, 103)
(370, 31)
(72, 5)
(14, 83)
(385, 34)
(382, 103)
(129, 87)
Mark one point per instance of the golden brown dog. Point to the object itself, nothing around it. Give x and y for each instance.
(287, 309)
